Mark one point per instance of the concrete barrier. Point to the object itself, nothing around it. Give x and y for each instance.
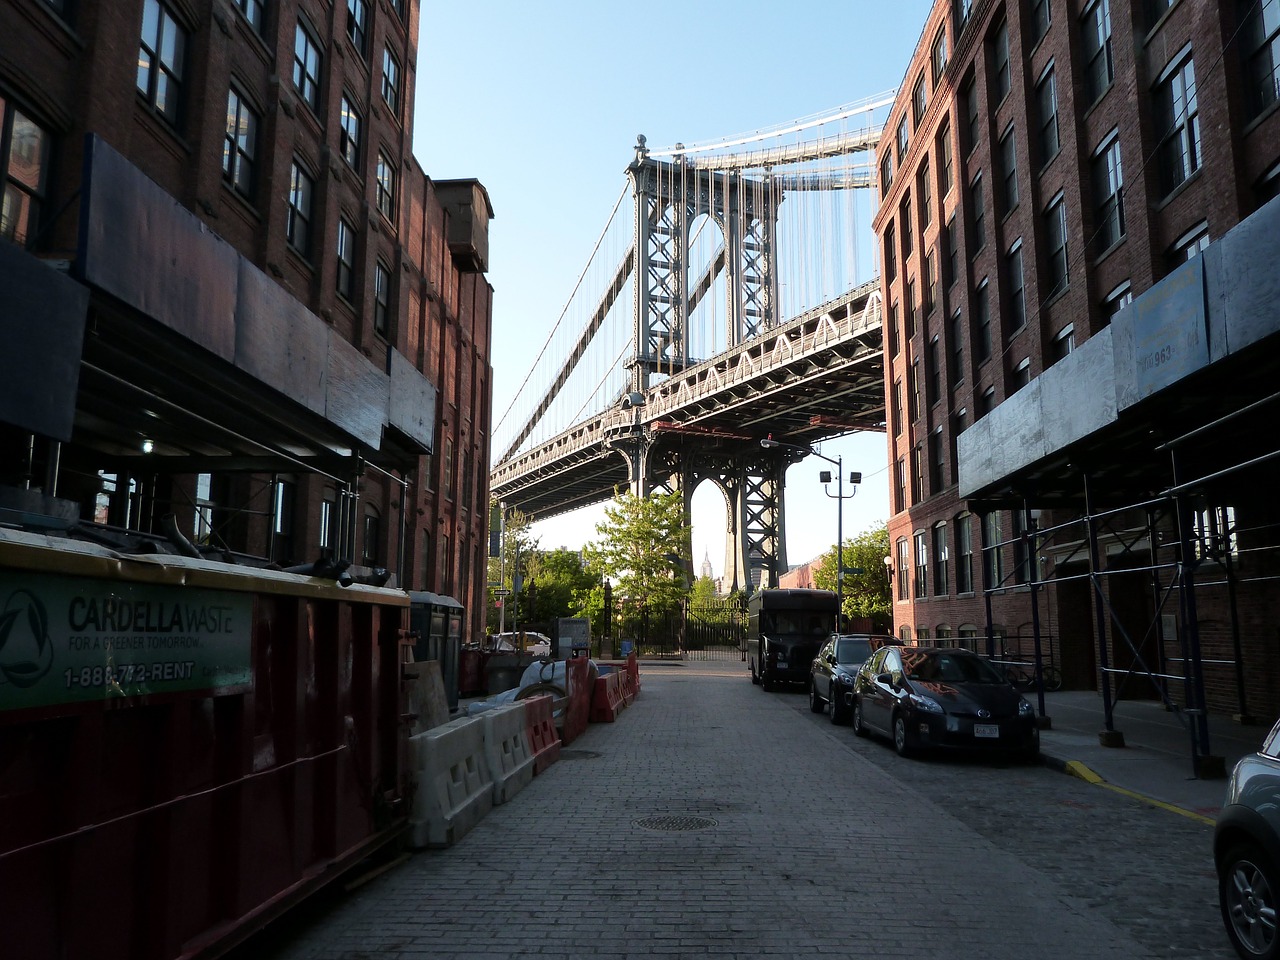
(606, 698)
(577, 712)
(506, 751)
(453, 788)
(540, 726)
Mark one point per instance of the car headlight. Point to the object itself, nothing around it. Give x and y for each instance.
(927, 704)
(1025, 709)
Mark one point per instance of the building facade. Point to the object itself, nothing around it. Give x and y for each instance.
(1050, 166)
(247, 319)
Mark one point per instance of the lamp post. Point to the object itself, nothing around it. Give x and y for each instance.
(825, 477)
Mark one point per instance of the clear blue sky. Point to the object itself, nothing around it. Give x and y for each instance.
(542, 103)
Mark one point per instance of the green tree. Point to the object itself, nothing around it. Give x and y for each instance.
(638, 536)
(704, 590)
(866, 594)
(563, 584)
(517, 544)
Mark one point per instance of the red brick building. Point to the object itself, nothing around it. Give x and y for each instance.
(235, 298)
(1063, 186)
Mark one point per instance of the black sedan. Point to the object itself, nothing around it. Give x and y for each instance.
(922, 697)
(833, 669)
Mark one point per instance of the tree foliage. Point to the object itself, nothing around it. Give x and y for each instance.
(866, 594)
(558, 584)
(638, 537)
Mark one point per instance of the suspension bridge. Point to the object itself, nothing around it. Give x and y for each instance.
(734, 298)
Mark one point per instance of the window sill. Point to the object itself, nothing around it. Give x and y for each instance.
(1177, 191)
(1109, 250)
(1057, 295)
(1155, 27)
(1044, 167)
(1098, 99)
(1263, 114)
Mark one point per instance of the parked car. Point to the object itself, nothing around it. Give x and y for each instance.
(921, 697)
(833, 669)
(1246, 851)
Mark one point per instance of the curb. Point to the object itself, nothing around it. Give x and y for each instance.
(1078, 770)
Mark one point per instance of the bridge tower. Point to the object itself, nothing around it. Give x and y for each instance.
(669, 197)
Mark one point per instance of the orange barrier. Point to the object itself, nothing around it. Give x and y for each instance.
(606, 698)
(540, 725)
(633, 668)
(628, 684)
(578, 709)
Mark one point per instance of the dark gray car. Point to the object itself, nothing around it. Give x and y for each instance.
(1246, 851)
(833, 669)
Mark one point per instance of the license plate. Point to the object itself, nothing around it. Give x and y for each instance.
(782, 664)
(988, 730)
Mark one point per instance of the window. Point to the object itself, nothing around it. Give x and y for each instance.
(1155, 9)
(306, 66)
(1116, 300)
(391, 81)
(24, 168)
(328, 522)
(919, 101)
(944, 159)
(930, 282)
(358, 23)
(897, 407)
(240, 145)
(252, 10)
(941, 581)
(959, 422)
(939, 58)
(890, 253)
(904, 138)
(161, 56)
(937, 461)
(346, 257)
(1041, 17)
(904, 561)
(962, 9)
(1021, 547)
(979, 213)
(1099, 68)
(1009, 169)
(886, 172)
(924, 190)
(973, 123)
(1064, 341)
(1215, 533)
(202, 531)
(349, 137)
(985, 403)
(912, 307)
(448, 468)
(298, 217)
(1000, 75)
(933, 372)
(981, 323)
(1017, 296)
(381, 299)
(1108, 182)
(951, 240)
(913, 391)
(917, 473)
(1178, 118)
(282, 527)
(904, 225)
(1191, 244)
(900, 483)
(957, 348)
(1047, 116)
(1021, 374)
(372, 535)
(386, 187)
(1055, 226)
(893, 329)
(964, 554)
(922, 564)
(993, 552)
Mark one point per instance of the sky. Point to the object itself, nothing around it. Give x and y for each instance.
(542, 103)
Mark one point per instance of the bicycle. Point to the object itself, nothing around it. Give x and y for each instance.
(1023, 675)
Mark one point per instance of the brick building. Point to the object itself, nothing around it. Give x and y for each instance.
(1075, 231)
(234, 298)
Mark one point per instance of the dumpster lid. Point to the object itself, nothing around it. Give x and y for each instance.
(435, 599)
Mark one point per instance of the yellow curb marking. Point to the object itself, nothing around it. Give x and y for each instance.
(1080, 771)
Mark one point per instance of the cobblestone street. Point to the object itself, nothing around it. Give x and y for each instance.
(804, 840)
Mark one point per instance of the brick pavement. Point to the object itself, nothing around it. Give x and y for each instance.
(816, 843)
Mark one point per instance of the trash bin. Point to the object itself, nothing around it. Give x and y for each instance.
(437, 623)
(627, 647)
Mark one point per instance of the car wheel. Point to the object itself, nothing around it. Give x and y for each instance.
(901, 742)
(858, 729)
(816, 704)
(1247, 889)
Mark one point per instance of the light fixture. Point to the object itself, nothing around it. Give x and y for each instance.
(147, 446)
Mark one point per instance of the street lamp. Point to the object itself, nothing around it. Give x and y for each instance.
(824, 477)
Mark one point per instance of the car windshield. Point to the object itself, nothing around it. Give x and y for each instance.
(951, 668)
(850, 650)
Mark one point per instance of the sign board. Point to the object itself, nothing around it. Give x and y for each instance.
(77, 639)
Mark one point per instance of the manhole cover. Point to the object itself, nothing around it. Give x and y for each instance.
(675, 823)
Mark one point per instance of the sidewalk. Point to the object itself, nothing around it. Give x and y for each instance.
(1155, 762)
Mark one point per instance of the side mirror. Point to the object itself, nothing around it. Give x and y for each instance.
(885, 678)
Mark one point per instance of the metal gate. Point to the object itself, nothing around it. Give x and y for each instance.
(715, 628)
